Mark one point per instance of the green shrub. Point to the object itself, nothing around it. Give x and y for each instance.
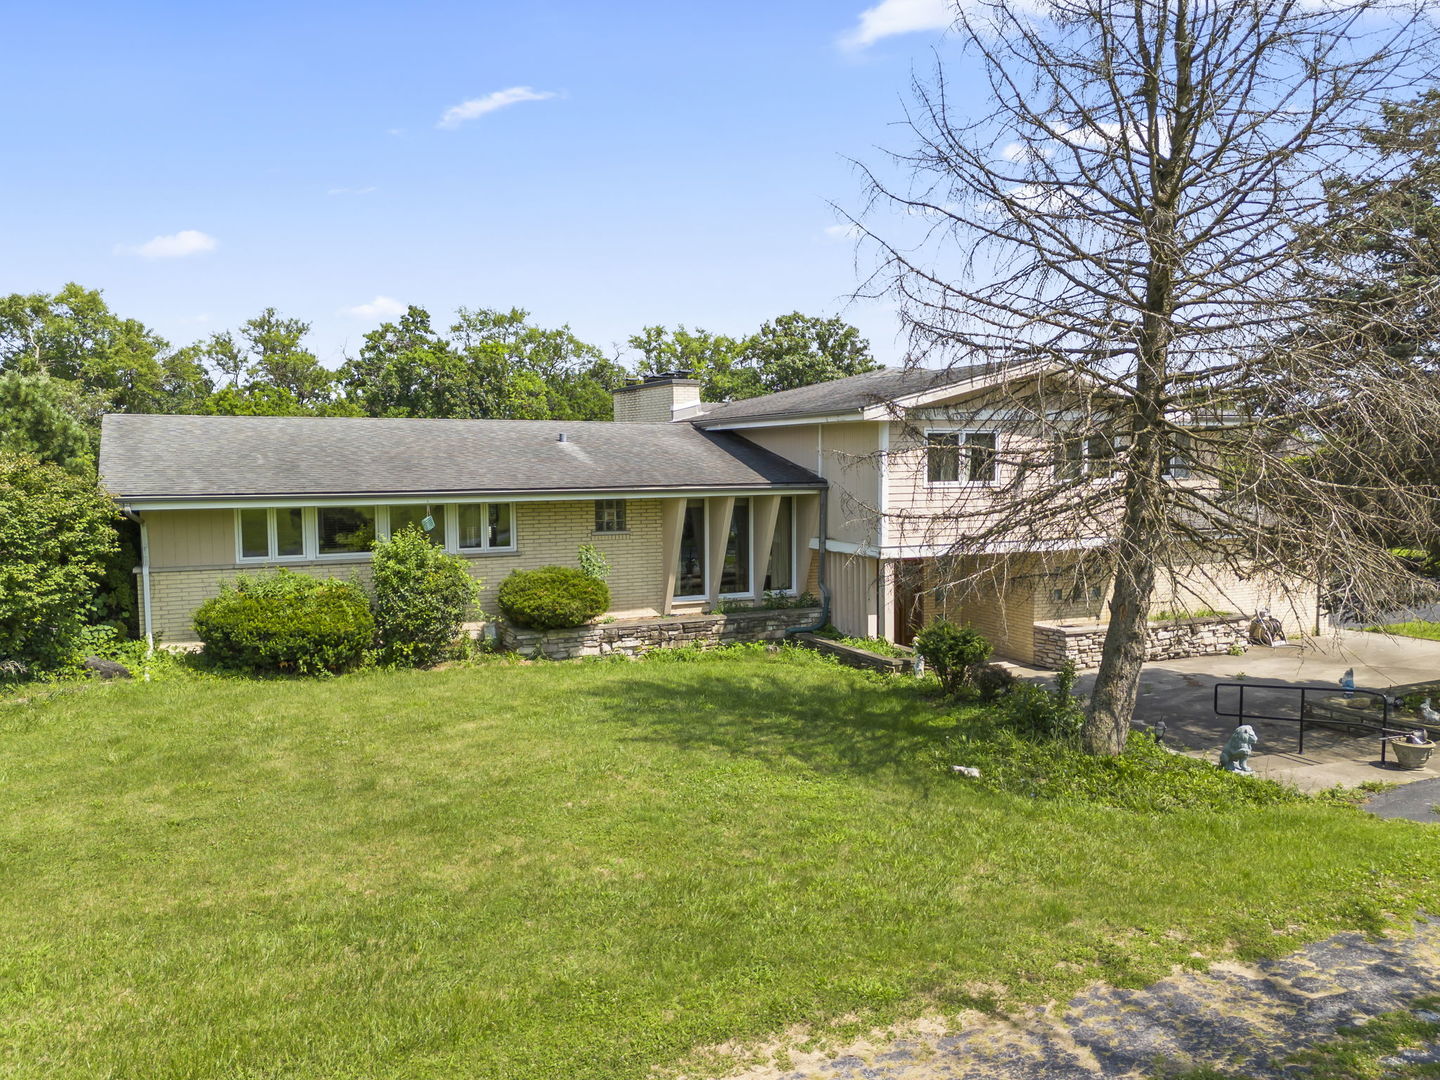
(1046, 715)
(422, 595)
(287, 622)
(56, 538)
(593, 562)
(951, 651)
(552, 597)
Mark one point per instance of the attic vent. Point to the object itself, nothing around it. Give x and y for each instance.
(561, 437)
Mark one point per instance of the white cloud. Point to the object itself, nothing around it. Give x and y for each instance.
(891, 17)
(175, 246)
(469, 110)
(379, 308)
(843, 232)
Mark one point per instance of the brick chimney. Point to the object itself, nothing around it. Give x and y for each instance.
(658, 399)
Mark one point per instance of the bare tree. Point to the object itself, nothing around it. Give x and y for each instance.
(1120, 218)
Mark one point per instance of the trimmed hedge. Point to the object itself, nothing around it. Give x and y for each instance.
(289, 623)
(552, 597)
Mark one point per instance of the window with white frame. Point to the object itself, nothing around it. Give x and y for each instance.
(1090, 456)
(345, 530)
(270, 533)
(1179, 463)
(610, 515)
(429, 519)
(956, 457)
(486, 527)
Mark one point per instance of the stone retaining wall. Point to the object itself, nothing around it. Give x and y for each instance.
(864, 659)
(1054, 644)
(634, 636)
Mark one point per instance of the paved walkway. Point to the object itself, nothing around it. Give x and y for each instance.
(1244, 1018)
(1417, 802)
(1181, 693)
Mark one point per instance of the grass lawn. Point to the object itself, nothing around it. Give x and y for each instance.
(1416, 628)
(584, 871)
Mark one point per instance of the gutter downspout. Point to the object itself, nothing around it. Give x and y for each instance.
(820, 570)
(144, 578)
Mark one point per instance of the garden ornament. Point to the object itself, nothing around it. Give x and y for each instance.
(1236, 755)
(1160, 730)
(1428, 713)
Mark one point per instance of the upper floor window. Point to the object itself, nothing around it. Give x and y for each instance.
(953, 457)
(1092, 456)
(1178, 465)
(609, 515)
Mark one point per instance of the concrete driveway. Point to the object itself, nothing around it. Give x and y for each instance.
(1181, 693)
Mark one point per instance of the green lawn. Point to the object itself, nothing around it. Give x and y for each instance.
(584, 870)
(1417, 628)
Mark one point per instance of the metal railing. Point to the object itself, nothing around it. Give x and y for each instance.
(1304, 715)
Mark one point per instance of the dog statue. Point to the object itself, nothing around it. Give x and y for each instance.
(1236, 755)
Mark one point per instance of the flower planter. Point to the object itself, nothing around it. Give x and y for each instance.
(1411, 755)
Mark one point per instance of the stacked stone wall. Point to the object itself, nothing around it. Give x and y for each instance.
(634, 636)
(1054, 644)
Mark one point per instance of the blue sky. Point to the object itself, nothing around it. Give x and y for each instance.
(644, 162)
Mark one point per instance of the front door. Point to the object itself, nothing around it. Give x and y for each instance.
(908, 602)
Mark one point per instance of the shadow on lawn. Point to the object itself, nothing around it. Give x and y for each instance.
(831, 724)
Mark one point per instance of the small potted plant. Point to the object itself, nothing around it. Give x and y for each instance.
(1409, 753)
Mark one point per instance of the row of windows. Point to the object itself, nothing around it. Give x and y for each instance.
(970, 457)
(271, 534)
(308, 532)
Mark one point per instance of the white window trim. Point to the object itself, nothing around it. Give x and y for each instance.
(382, 521)
(452, 529)
(310, 532)
(962, 464)
(749, 591)
(272, 538)
(704, 553)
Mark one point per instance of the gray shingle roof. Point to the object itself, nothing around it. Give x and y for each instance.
(852, 394)
(218, 456)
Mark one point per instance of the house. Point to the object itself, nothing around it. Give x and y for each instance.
(696, 506)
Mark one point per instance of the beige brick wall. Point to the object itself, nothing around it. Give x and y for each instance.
(1003, 612)
(546, 533)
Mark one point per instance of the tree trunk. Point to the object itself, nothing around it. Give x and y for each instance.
(1117, 683)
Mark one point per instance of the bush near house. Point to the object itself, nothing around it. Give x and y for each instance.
(951, 651)
(552, 597)
(288, 622)
(56, 537)
(422, 595)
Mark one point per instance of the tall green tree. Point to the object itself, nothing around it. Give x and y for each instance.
(797, 350)
(56, 537)
(787, 352)
(714, 359)
(46, 419)
(73, 335)
(491, 364)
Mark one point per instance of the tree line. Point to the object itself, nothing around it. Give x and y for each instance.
(66, 359)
